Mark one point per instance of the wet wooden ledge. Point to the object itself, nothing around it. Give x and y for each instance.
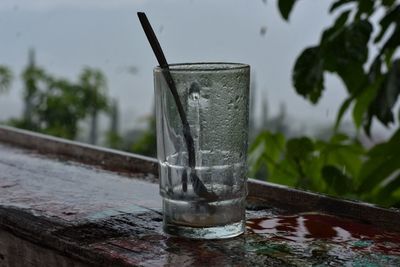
(72, 204)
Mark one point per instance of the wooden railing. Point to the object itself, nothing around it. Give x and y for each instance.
(68, 202)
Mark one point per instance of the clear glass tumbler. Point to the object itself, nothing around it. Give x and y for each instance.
(204, 187)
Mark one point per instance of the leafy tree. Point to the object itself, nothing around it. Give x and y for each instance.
(60, 108)
(113, 138)
(52, 105)
(373, 87)
(94, 86)
(56, 105)
(324, 166)
(146, 144)
(6, 77)
(342, 166)
(34, 80)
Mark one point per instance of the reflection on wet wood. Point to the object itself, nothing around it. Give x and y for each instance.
(108, 159)
(67, 189)
(55, 207)
(286, 198)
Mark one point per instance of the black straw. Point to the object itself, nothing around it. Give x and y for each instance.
(198, 186)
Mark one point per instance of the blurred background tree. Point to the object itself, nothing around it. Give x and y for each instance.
(93, 88)
(146, 143)
(55, 105)
(6, 77)
(113, 137)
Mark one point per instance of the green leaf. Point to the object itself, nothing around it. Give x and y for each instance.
(353, 76)
(363, 101)
(339, 3)
(387, 149)
(344, 153)
(374, 77)
(266, 150)
(387, 95)
(300, 156)
(368, 123)
(336, 180)
(388, 3)
(308, 77)
(339, 138)
(385, 192)
(349, 43)
(358, 34)
(389, 52)
(365, 7)
(391, 16)
(284, 173)
(255, 159)
(375, 69)
(383, 160)
(299, 148)
(375, 171)
(344, 50)
(343, 108)
(285, 7)
(338, 28)
(393, 41)
(342, 19)
(6, 78)
(311, 168)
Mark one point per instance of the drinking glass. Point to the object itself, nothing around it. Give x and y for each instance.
(203, 194)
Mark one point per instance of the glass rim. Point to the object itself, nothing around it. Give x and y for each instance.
(204, 66)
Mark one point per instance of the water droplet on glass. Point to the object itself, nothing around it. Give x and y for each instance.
(194, 91)
(263, 30)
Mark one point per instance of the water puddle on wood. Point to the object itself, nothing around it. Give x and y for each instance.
(315, 239)
(270, 240)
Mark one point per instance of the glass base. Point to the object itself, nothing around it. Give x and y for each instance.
(216, 232)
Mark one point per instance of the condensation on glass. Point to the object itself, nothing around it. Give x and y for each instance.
(215, 99)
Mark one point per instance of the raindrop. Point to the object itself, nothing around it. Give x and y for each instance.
(263, 30)
(194, 91)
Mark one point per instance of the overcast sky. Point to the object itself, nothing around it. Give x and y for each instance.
(70, 34)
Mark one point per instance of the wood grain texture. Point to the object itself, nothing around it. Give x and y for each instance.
(17, 252)
(108, 159)
(67, 189)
